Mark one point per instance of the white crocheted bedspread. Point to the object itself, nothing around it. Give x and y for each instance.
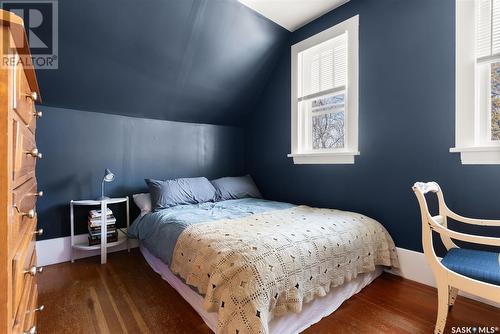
(265, 265)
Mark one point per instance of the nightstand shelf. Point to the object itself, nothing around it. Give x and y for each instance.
(84, 245)
(104, 245)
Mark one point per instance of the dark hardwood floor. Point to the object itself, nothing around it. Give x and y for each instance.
(126, 296)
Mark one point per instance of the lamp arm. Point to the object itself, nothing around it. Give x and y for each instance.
(102, 188)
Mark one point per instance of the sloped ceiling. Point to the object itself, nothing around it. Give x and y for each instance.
(202, 61)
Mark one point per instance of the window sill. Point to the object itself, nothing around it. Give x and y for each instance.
(323, 158)
(478, 155)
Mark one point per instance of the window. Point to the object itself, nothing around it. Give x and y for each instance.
(477, 136)
(325, 96)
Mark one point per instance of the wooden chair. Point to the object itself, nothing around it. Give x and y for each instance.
(472, 271)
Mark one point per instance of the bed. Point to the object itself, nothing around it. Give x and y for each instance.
(257, 266)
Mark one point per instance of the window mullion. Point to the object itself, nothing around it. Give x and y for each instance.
(321, 93)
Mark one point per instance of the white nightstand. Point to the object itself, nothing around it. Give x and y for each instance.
(122, 236)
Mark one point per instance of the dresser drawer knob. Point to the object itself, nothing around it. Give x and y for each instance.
(33, 96)
(38, 114)
(32, 330)
(39, 232)
(35, 154)
(38, 309)
(33, 270)
(30, 214)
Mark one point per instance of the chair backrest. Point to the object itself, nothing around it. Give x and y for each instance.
(421, 189)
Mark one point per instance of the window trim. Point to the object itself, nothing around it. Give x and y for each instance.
(467, 131)
(347, 154)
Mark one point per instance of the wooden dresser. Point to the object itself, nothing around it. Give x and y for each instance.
(18, 188)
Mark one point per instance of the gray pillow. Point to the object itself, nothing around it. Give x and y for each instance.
(235, 187)
(165, 194)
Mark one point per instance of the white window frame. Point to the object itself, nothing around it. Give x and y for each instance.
(338, 156)
(470, 121)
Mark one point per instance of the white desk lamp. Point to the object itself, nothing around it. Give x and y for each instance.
(108, 177)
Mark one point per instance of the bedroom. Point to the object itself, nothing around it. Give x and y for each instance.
(248, 166)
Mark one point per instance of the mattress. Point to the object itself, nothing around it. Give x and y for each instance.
(290, 323)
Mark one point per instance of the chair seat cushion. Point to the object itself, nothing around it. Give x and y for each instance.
(480, 265)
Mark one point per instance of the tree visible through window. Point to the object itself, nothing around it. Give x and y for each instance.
(495, 101)
(328, 122)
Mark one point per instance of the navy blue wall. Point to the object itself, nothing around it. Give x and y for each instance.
(406, 123)
(201, 61)
(79, 145)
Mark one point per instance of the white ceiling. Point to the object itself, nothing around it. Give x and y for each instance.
(292, 14)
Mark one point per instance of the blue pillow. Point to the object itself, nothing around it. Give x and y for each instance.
(235, 187)
(165, 194)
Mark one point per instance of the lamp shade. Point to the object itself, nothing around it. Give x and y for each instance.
(108, 175)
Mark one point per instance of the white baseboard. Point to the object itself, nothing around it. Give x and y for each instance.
(413, 265)
(58, 250)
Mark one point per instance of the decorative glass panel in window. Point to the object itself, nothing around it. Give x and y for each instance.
(328, 122)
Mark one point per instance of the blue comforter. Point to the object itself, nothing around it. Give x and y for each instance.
(159, 231)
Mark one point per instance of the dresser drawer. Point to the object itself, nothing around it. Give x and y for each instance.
(31, 311)
(25, 153)
(24, 216)
(23, 269)
(22, 315)
(25, 101)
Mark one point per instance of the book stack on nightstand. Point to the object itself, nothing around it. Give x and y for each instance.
(94, 224)
(95, 221)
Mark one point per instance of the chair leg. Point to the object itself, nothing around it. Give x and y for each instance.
(443, 294)
(452, 296)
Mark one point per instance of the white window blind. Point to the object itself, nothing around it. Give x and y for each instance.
(324, 68)
(487, 29)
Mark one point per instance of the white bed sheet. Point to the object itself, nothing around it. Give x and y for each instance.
(288, 324)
